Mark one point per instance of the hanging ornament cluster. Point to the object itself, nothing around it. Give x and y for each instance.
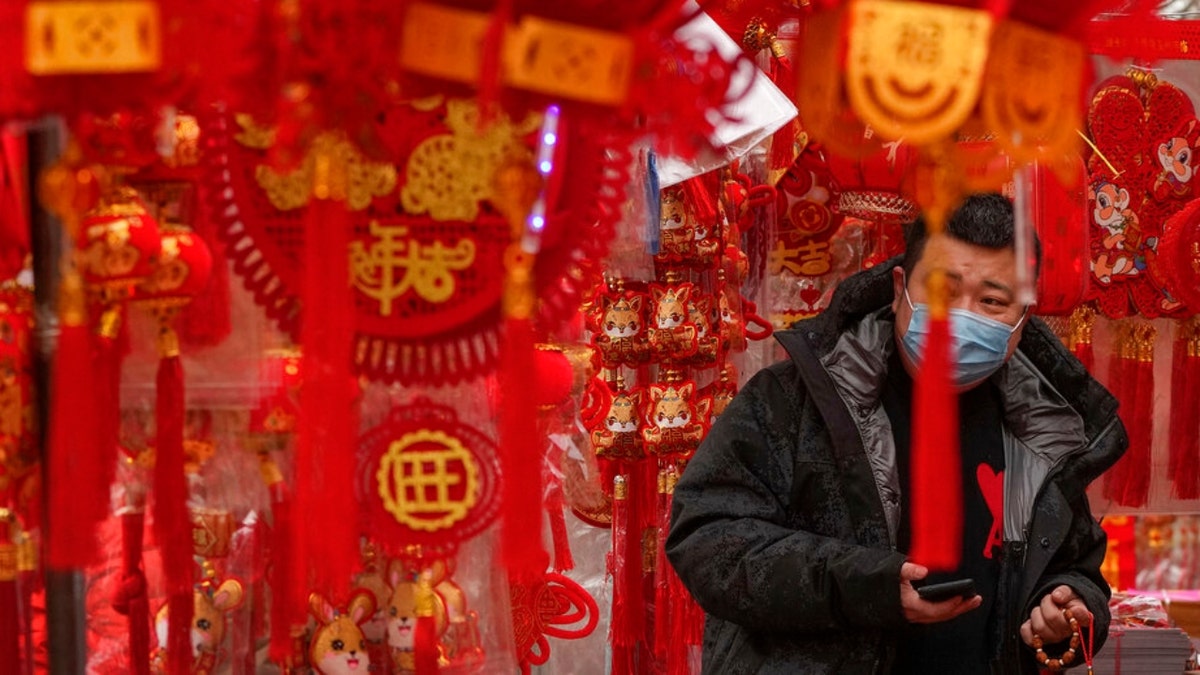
(657, 343)
(1142, 172)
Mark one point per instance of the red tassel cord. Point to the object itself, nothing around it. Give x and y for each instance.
(556, 505)
(522, 549)
(663, 613)
(131, 598)
(627, 617)
(75, 502)
(425, 635)
(326, 427)
(936, 465)
(1185, 413)
(172, 527)
(10, 615)
(283, 587)
(1138, 491)
(1131, 378)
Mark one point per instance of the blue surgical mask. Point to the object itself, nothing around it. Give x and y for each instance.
(980, 344)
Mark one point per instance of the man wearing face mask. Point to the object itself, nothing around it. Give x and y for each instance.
(791, 524)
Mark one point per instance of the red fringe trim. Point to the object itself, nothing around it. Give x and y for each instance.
(936, 466)
(75, 504)
(172, 527)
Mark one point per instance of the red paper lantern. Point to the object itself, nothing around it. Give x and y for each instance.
(118, 243)
(184, 266)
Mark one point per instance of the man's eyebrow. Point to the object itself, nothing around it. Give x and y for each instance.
(999, 286)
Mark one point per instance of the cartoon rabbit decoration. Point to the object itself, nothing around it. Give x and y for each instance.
(210, 605)
(339, 647)
(410, 596)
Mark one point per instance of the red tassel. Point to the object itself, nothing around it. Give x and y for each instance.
(521, 544)
(627, 617)
(425, 646)
(10, 609)
(663, 608)
(783, 142)
(110, 354)
(1132, 382)
(76, 502)
(172, 527)
(936, 466)
(425, 635)
(283, 594)
(326, 538)
(1185, 429)
(563, 560)
(132, 599)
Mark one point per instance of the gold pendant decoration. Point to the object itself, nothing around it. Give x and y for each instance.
(448, 175)
(1031, 102)
(428, 479)
(77, 38)
(365, 179)
(397, 263)
(914, 70)
(824, 109)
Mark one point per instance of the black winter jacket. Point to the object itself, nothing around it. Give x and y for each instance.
(784, 523)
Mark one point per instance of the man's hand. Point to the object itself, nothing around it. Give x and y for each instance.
(917, 610)
(1048, 620)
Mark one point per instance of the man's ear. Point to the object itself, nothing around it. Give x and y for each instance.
(898, 279)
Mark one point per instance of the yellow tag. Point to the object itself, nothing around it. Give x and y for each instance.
(68, 38)
(549, 57)
(443, 42)
(1032, 102)
(914, 69)
(570, 61)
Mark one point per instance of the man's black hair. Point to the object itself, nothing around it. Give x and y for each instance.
(984, 219)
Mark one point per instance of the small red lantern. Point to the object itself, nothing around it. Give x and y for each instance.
(184, 266)
(118, 244)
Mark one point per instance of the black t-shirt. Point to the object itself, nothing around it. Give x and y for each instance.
(961, 645)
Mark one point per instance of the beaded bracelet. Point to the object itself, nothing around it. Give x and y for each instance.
(1066, 657)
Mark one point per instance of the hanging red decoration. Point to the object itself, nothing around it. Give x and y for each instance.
(182, 269)
(1142, 171)
(553, 606)
(461, 480)
(433, 317)
(1131, 379)
(1184, 462)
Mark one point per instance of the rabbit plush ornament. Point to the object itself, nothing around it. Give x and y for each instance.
(338, 646)
(208, 625)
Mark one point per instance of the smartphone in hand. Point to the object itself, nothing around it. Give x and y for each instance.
(950, 589)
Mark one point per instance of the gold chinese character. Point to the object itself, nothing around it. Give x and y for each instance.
(388, 268)
(427, 480)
